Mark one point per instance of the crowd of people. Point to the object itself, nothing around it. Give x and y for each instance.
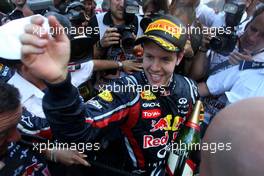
(116, 85)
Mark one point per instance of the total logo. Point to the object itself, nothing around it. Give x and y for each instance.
(151, 114)
(166, 123)
(149, 141)
(150, 105)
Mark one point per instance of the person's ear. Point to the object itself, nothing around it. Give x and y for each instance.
(179, 57)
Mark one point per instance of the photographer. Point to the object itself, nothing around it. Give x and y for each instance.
(226, 50)
(222, 42)
(240, 81)
(109, 35)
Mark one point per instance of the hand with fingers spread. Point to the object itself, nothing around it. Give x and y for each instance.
(235, 57)
(47, 57)
(111, 37)
(130, 66)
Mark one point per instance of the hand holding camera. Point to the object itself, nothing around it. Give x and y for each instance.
(111, 37)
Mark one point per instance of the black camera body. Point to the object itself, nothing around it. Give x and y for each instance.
(126, 31)
(225, 43)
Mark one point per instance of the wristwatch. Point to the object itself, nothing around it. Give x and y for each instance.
(120, 65)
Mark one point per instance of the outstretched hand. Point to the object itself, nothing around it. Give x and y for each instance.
(130, 66)
(46, 57)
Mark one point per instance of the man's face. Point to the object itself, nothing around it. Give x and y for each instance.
(117, 8)
(89, 7)
(19, 3)
(8, 130)
(159, 64)
(253, 38)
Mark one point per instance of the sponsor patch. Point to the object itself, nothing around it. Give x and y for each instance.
(166, 123)
(148, 95)
(106, 96)
(166, 26)
(150, 141)
(150, 105)
(151, 114)
(95, 103)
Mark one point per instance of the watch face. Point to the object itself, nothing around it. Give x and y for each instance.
(230, 8)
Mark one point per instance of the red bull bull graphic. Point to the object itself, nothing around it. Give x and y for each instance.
(166, 123)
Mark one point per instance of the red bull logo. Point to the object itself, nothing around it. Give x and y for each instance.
(166, 123)
(150, 141)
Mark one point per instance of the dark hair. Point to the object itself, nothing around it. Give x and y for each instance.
(160, 5)
(9, 97)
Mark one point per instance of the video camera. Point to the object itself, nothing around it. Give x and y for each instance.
(225, 42)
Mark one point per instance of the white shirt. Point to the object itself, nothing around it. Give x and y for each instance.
(205, 14)
(83, 74)
(31, 96)
(236, 84)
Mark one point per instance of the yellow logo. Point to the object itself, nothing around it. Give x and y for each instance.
(148, 95)
(164, 43)
(166, 26)
(106, 96)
